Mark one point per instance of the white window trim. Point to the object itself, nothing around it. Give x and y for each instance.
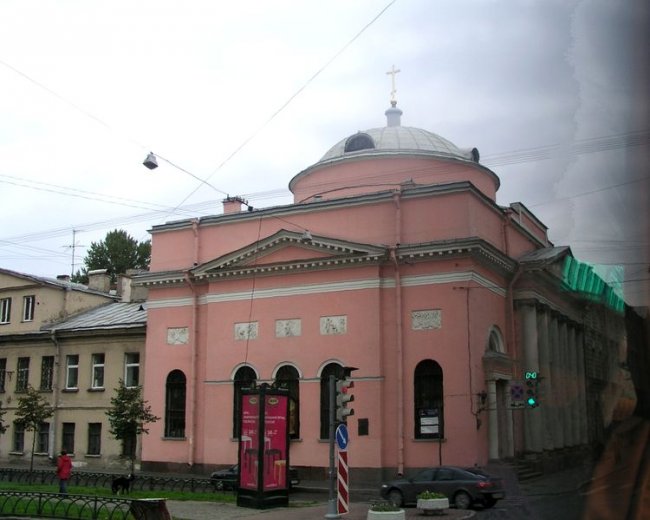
(128, 366)
(68, 367)
(5, 310)
(97, 365)
(29, 307)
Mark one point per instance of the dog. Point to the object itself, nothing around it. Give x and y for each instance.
(122, 485)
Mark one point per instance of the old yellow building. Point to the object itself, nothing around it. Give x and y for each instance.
(73, 344)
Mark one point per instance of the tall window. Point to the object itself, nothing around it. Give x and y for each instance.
(43, 438)
(67, 437)
(22, 374)
(19, 438)
(72, 372)
(128, 446)
(5, 310)
(98, 371)
(94, 438)
(131, 369)
(337, 371)
(175, 405)
(3, 373)
(429, 401)
(47, 372)
(244, 377)
(288, 377)
(29, 303)
(495, 342)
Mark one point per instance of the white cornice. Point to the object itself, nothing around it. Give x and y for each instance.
(465, 276)
(171, 302)
(352, 285)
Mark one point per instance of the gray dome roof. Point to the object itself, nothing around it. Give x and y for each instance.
(397, 139)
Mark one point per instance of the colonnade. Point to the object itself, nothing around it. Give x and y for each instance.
(552, 346)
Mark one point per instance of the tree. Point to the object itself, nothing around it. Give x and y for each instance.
(116, 253)
(3, 426)
(128, 416)
(32, 412)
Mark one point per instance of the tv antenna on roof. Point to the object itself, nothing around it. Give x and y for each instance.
(73, 247)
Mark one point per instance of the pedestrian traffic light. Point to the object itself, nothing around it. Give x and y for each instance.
(532, 382)
(344, 395)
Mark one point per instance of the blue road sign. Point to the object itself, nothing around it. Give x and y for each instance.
(342, 438)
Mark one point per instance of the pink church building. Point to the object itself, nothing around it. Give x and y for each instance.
(394, 258)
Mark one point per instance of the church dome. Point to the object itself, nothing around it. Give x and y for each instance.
(395, 138)
(398, 139)
(374, 159)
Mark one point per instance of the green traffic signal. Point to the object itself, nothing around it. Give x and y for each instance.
(532, 388)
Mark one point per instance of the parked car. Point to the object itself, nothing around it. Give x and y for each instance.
(229, 478)
(463, 487)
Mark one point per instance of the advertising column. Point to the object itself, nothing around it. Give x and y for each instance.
(264, 448)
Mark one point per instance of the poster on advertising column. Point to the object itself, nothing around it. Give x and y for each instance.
(275, 442)
(249, 440)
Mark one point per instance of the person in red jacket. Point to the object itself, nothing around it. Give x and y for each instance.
(63, 471)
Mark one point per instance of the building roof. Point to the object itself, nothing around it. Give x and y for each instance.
(397, 138)
(118, 315)
(53, 282)
(545, 255)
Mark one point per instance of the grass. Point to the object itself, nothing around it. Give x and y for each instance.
(95, 491)
(73, 509)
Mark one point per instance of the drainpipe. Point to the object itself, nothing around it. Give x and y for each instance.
(55, 396)
(510, 311)
(398, 331)
(194, 329)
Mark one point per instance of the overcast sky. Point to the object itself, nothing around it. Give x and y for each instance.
(247, 94)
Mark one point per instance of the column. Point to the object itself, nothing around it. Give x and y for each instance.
(582, 387)
(533, 417)
(493, 421)
(554, 406)
(565, 396)
(574, 417)
(544, 377)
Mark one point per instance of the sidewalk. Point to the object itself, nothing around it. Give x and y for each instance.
(358, 511)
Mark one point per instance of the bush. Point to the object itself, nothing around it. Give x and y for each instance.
(427, 495)
(384, 507)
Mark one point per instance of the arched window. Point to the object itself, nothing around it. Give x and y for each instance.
(358, 142)
(495, 341)
(288, 377)
(175, 405)
(429, 401)
(332, 369)
(244, 378)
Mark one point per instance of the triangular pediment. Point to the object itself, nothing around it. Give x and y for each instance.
(289, 249)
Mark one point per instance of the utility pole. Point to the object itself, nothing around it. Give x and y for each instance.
(331, 503)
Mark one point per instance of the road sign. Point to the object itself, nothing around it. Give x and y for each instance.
(517, 394)
(343, 491)
(342, 437)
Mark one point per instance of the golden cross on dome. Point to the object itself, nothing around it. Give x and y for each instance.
(393, 72)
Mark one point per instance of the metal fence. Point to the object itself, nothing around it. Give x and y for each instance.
(142, 481)
(78, 507)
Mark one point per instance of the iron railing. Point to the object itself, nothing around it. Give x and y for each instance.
(74, 507)
(142, 481)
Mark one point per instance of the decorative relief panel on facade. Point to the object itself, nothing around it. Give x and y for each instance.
(333, 325)
(246, 330)
(178, 335)
(426, 320)
(287, 328)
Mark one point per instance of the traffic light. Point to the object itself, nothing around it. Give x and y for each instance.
(344, 396)
(532, 381)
